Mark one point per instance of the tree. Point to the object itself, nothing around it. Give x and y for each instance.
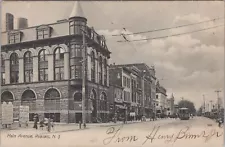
(188, 104)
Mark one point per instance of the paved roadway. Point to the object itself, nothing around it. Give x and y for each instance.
(167, 133)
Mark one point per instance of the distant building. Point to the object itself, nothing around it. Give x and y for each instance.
(141, 80)
(161, 98)
(170, 105)
(116, 102)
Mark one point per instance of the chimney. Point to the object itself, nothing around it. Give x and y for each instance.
(9, 22)
(22, 23)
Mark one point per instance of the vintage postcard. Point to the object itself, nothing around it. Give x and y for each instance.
(112, 73)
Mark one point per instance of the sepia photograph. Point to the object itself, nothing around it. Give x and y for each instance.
(112, 73)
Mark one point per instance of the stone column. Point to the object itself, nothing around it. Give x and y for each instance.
(21, 70)
(7, 71)
(35, 69)
(66, 66)
(50, 67)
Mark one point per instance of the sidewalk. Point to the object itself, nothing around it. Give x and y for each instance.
(64, 127)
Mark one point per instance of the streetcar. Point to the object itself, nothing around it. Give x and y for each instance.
(184, 114)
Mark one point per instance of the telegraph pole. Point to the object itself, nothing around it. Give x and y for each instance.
(218, 103)
(211, 105)
(84, 72)
(218, 97)
(204, 102)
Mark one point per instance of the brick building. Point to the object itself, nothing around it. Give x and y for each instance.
(170, 105)
(161, 98)
(42, 68)
(138, 80)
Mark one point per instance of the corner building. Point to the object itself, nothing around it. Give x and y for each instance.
(41, 67)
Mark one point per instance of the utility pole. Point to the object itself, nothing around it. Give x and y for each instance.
(203, 102)
(84, 73)
(211, 105)
(218, 97)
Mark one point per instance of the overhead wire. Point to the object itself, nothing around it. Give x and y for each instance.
(179, 34)
(169, 28)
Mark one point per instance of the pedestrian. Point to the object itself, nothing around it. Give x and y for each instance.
(42, 124)
(35, 122)
(220, 122)
(52, 124)
(49, 125)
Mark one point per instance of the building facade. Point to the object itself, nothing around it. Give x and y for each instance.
(170, 105)
(139, 81)
(161, 98)
(42, 68)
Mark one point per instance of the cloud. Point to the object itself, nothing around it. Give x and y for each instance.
(191, 64)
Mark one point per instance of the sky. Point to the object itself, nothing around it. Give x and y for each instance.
(188, 65)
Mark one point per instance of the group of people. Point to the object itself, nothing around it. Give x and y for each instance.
(45, 122)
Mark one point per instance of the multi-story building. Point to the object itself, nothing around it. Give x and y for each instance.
(170, 105)
(121, 76)
(143, 94)
(117, 108)
(161, 98)
(42, 68)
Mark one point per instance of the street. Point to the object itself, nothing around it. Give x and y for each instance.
(202, 132)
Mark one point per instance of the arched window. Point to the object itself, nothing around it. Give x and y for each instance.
(92, 66)
(100, 70)
(59, 64)
(14, 68)
(28, 99)
(52, 94)
(103, 102)
(78, 97)
(52, 100)
(2, 69)
(28, 67)
(75, 61)
(105, 72)
(6, 97)
(43, 65)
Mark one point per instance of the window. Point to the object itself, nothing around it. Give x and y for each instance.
(103, 102)
(100, 70)
(6, 97)
(28, 67)
(92, 66)
(43, 32)
(59, 64)
(128, 83)
(78, 97)
(76, 27)
(28, 99)
(2, 70)
(124, 81)
(52, 100)
(157, 96)
(76, 50)
(14, 37)
(43, 66)
(76, 71)
(14, 68)
(105, 72)
(75, 61)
